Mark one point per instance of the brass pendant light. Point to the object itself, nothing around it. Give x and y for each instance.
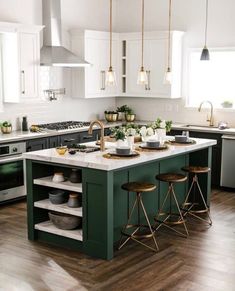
(142, 75)
(205, 55)
(168, 74)
(110, 74)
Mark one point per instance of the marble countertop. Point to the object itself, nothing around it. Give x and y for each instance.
(96, 160)
(16, 136)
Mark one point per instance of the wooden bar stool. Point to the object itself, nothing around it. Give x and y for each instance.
(190, 205)
(171, 218)
(137, 229)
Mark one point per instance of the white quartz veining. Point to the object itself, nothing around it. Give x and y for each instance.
(96, 160)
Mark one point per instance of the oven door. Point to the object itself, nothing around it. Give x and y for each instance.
(11, 178)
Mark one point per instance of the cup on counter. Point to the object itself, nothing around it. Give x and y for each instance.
(186, 133)
(58, 177)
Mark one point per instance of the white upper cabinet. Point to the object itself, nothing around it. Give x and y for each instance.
(155, 63)
(93, 46)
(20, 55)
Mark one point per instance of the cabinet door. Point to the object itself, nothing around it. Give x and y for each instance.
(36, 145)
(85, 137)
(133, 63)
(29, 64)
(156, 57)
(69, 139)
(53, 141)
(97, 53)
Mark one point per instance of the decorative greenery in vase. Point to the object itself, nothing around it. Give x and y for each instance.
(118, 133)
(164, 124)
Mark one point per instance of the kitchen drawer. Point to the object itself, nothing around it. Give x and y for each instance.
(36, 144)
(85, 137)
(69, 139)
(53, 142)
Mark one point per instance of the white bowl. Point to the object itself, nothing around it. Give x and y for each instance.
(58, 177)
(181, 138)
(123, 150)
(153, 143)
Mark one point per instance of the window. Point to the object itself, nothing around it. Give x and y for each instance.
(212, 80)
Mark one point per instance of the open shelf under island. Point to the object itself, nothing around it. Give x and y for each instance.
(104, 204)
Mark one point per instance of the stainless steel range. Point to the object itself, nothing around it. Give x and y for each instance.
(63, 125)
(12, 171)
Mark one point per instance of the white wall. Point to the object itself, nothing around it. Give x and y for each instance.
(90, 14)
(188, 16)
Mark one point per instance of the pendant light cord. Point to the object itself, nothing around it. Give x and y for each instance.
(169, 34)
(142, 44)
(206, 22)
(111, 32)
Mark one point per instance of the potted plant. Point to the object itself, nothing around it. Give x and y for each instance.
(119, 134)
(227, 104)
(121, 112)
(6, 127)
(133, 130)
(129, 115)
(111, 116)
(161, 128)
(146, 132)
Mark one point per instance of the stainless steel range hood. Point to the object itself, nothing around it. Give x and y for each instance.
(52, 52)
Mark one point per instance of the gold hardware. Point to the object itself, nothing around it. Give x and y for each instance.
(102, 141)
(210, 119)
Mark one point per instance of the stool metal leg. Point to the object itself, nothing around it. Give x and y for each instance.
(134, 236)
(189, 210)
(171, 193)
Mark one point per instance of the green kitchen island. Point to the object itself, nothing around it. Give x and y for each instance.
(104, 204)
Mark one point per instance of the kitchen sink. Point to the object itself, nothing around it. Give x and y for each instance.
(201, 126)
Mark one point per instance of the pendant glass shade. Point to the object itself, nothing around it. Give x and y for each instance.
(110, 79)
(205, 56)
(142, 77)
(168, 77)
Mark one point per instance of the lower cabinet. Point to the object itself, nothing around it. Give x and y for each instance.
(37, 144)
(53, 142)
(86, 137)
(69, 139)
(216, 152)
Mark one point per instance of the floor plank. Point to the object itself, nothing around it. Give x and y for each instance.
(204, 261)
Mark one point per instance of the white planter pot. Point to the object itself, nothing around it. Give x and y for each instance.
(120, 143)
(130, 141)
(161, 134)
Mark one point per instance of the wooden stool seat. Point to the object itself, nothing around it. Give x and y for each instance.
(139, 230)
(196, 169)
(138, 187)
(171, 178)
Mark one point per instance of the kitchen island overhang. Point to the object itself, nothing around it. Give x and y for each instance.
(104, 203)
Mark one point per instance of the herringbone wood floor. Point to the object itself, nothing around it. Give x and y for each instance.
(204, 261)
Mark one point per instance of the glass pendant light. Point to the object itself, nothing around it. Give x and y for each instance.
(142, 75)
(110, 74)
(168, 74)
(205, 55)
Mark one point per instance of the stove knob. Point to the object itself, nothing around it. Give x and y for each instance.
(15, 150)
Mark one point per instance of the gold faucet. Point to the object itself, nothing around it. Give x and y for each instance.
(98, 122)
(210, 119)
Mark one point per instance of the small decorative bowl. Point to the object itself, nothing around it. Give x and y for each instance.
(111, 117)
(6, 129)
(152, 143)
(58, 177)
(61, 150)
(130, 117)
(181, 138)
(57, 196)
(123, 150)
(64, 221)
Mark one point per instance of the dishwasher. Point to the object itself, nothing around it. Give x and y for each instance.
(227, 178)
